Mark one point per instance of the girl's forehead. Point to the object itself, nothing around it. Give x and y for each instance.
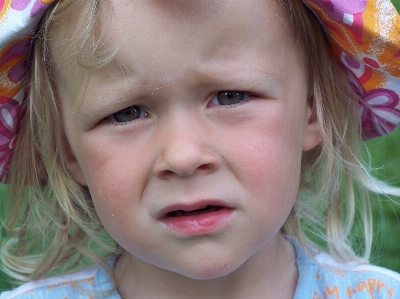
(159, 39)
(192, 9)
(193, 19)
(215, 27)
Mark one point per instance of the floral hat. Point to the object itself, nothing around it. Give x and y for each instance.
(363, 34)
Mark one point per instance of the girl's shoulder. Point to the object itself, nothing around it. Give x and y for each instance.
(324, 277)
(357, 280)
(80, 285)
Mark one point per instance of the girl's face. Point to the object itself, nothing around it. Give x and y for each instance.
(190, 139)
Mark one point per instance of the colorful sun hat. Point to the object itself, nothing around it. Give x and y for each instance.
(363, 34)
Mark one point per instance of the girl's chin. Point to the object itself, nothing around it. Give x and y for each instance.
(209, 273)
(193, 270)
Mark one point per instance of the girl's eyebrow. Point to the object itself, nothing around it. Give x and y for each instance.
(122, 92)
(216, 73)
(246, 76)
(125, 87)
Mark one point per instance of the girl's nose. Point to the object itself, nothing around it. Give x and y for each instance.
(186, 149)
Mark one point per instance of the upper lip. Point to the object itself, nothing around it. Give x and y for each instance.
(191, 206)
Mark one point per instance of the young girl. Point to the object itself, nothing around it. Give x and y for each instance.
(208, 139)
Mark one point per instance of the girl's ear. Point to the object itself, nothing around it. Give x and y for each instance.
(312, 132)
(74, 167)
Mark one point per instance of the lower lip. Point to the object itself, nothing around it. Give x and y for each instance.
(199, 224)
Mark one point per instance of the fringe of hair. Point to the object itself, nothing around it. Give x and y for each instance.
(327, 211)
(51, 221)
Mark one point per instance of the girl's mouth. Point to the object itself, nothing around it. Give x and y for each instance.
(207, 209)
(197, 220)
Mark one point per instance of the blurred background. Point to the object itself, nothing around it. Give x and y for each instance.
(385, 152)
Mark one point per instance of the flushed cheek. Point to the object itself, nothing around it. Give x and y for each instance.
(114, 180)
(119, 205)
(267, 160)
(271, 181)
(272, 191)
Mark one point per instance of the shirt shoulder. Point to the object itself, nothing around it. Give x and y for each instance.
(77, 285)
(354, 280)
(324, 277)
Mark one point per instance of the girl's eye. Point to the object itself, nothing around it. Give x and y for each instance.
(129, 114)
(229, 98)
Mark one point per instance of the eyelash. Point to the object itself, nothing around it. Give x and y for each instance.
(141, 113)
(137, 110)
(229, 94)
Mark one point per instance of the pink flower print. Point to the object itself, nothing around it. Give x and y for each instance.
(17, 72)
(379, 108)
(361, 70)
(4, 99)
(19, 48)
(349, 12)
(37, 7)
(20, 4)
(9, 113)
(4, 157)
(381, 112)
(341, 10)
(2, 3)
(9, 116)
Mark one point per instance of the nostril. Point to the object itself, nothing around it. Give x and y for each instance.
(196, 158)
(204, 167)
(165, 173)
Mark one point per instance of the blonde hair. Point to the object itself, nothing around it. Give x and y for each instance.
(334, 179)
(51, 220)
(58, 219)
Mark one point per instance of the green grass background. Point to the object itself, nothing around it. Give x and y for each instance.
(385, 152)
(396, 4)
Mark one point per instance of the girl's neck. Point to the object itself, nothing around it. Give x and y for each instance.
(269, 273)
